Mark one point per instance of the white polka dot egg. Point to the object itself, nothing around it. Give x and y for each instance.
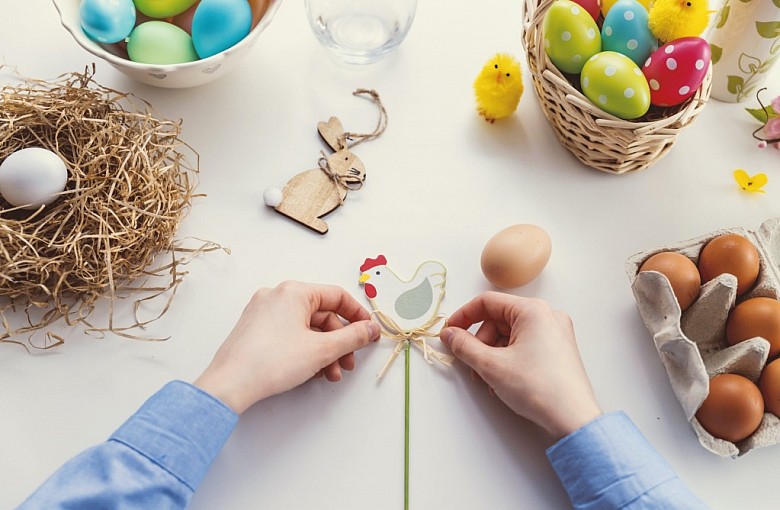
(676, 70)
(571, 36)
(625, 30)
(614, 83)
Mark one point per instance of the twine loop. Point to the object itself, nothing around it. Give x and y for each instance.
(390, 329)
(381, 125)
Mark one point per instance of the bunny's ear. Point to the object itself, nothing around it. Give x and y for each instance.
(333, 133)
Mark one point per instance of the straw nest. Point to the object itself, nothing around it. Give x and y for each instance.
(129, 186)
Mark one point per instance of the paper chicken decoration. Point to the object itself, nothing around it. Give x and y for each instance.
(407, 312)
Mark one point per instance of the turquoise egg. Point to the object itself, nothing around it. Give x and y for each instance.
(625, 31)
(571, 36)
(159, 42)
(107, 21)
(219, 24)
(614, 83)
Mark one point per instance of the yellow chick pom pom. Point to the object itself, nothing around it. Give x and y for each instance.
(672, 19)
(498, 87)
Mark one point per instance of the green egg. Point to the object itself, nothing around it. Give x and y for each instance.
(571, 36)
(614, 83)
(163, 8)
(159, 42)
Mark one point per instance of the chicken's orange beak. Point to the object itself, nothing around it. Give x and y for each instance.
(364, 277)
(499, 77)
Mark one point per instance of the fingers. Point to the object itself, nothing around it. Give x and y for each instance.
(494, 306)
(467, 348)
(335, 299)
(339, 343)
(332, 372)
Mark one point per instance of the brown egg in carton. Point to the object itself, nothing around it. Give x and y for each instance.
(692, 344)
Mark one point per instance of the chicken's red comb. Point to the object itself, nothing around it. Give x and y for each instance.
(369, 263)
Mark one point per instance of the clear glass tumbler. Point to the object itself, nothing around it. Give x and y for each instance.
(360, 31)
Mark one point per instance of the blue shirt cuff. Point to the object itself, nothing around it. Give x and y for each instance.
(181, 428)
(608, 463)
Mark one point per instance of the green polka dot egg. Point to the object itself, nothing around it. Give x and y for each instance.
(614, 83)
(571, 36)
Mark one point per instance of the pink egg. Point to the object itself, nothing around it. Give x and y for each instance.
(676, 70)
(593, 7)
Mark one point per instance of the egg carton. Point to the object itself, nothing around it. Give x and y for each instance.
(692, 344)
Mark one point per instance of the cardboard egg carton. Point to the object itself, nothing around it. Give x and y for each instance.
(692, 344)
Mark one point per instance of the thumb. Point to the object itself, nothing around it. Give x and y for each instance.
(466, 347)
(348, 339)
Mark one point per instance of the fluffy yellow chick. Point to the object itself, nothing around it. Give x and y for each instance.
(672, 19)
(498, 87)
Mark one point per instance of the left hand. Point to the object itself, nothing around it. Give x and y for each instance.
(284, 337)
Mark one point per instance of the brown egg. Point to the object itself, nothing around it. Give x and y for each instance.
(681, 273)
(733, 408)
(755, 317)
(730, 253)
(770, 387)
(516, 255)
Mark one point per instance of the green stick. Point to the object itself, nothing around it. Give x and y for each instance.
(406, 430)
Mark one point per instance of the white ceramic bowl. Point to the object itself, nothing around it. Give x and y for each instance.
(190, 74)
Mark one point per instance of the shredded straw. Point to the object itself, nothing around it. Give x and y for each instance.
(129, 186)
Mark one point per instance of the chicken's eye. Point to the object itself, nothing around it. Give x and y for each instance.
(496, 66)
(377, 273)
(507, 75)
(688, 4)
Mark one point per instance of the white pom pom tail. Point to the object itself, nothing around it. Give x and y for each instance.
(273, 197)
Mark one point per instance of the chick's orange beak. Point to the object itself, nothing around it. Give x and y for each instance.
(499, 77)
(364, 277)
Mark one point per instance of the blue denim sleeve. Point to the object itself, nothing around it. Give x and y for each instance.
(156, 459)
(608, 464)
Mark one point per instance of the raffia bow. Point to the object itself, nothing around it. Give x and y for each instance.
(416, 336)
(345, 182)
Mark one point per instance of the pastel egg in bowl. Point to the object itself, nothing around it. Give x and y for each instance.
(188, 74)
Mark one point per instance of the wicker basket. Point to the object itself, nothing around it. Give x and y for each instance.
(598, 139)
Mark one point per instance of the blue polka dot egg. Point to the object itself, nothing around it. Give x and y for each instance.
(571, 36)
(625, 31)
(614, 83)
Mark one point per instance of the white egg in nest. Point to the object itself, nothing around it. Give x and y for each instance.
(32, 177)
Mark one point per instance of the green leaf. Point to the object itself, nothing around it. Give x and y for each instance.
(748, 64)
(762, 114)
(735, 84)
(768, 29)
(717, 51)
(723, 16)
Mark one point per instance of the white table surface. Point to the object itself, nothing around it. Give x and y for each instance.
(441, 181)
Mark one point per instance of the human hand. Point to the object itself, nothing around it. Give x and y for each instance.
(284, 337)
(526, 352)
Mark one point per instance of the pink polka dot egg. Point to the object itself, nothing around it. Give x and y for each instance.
(676, 70)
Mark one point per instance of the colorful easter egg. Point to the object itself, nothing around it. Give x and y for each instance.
(219, 24)
(159, 42)
(606, 5)
(107, 21)
(625, 30)
(163, 8)
(614, 83)
(676, 70)
(592, 6)
(571, 36)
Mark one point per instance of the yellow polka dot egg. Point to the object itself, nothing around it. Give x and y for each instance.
(571, 36)
(614, 83)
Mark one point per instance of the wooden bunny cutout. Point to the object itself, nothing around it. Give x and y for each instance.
(312, 194)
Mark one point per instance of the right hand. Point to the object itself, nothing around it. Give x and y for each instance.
(526, 352)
